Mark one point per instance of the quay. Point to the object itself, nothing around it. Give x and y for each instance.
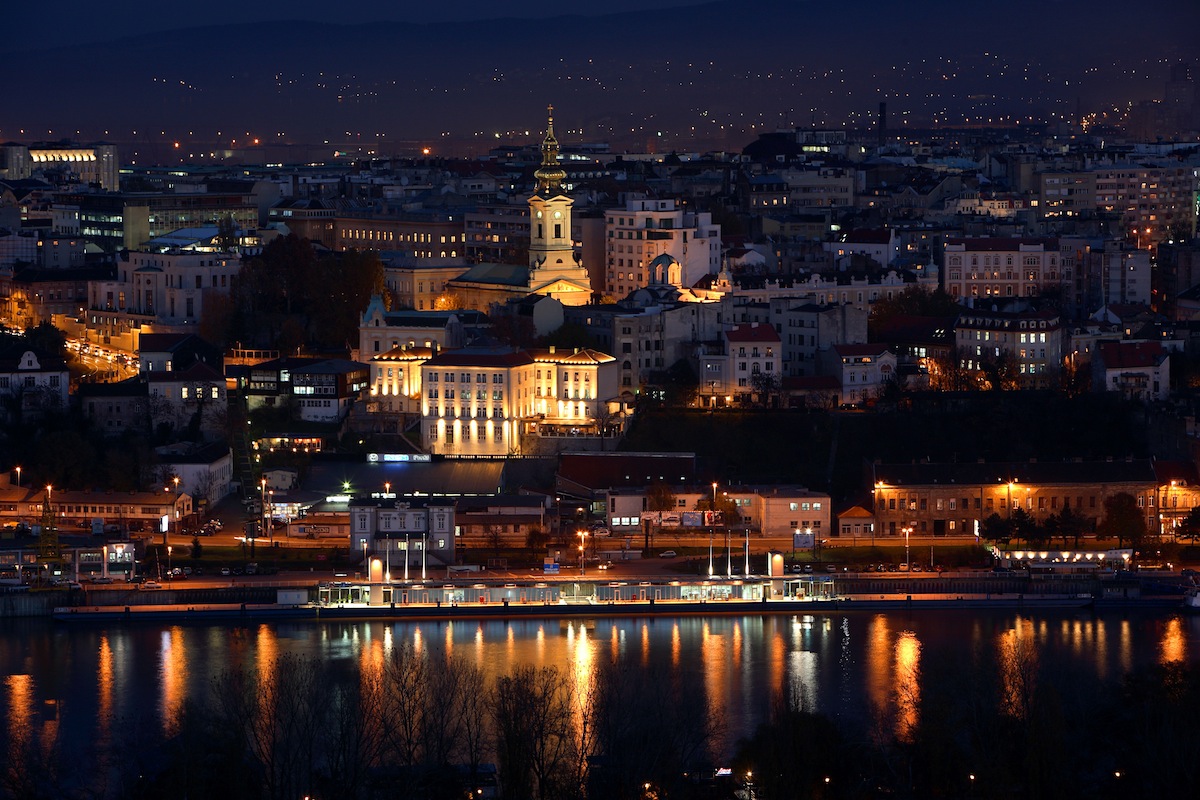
(560, 599)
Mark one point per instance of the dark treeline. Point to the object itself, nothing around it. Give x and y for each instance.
(405, 725)
(291, 297)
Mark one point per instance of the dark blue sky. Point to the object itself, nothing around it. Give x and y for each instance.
(77, 21)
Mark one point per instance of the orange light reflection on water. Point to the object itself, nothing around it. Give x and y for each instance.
(1018, 661)
(879, 667)
(173, 661)
(105, 686)
(908, 685)
(19, 711)
(1173, 645)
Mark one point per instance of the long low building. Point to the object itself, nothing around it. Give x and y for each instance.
(953, 499)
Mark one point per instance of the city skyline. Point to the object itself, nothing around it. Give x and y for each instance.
(675, 80)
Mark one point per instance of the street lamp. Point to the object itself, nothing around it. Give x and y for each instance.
(406, 555)
(907, 562)
(262, 504)
(18, 477)
(582, 547)
(728, 549)
(169, 573)
(712, 529)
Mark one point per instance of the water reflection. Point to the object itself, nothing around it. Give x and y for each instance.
(19, 712)
(1174, 642)
(1018, 661)
(908, 684)
(879, 678)
(173, 663)
(855, 666)
(104, 673)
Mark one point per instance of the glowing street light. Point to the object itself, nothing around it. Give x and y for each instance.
(712, 529)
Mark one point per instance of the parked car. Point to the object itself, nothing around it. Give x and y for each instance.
(151, 585)
(667, 554)
(225, 573)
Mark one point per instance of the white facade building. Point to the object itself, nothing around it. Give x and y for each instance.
(645, 229)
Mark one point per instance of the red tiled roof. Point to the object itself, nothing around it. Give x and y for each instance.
(462, 358)
(753, 332)
(1130, 355)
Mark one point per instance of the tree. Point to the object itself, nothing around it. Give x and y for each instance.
(1000, 372)
(660, 498)
(996, 529)
(726, 507)
(1123, 520)
(1068, 524)
(227, 234)
(914, 301)
(1190, 527)
(766, 387)
(532, 718)
(1022, 525)
(197, 548)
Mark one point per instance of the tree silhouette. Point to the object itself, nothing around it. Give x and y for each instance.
(1123, 520)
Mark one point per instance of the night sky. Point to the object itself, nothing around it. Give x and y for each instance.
(459, 75)
(84, 21)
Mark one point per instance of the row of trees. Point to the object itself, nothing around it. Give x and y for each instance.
(1123, 520)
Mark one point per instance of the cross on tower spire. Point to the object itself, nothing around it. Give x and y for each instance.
(550, 175)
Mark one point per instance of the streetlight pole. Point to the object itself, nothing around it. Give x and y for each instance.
(18, 477)
(728, 552)
(406, 556)
(175, 509)
(262, 505)
(169, 573)
(907, 561)
(582, 547)
(712, 528)
(747, 572)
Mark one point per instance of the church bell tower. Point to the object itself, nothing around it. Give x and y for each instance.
(550, 245)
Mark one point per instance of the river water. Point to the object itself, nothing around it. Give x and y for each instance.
(74, 684)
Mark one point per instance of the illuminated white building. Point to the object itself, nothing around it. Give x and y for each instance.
(493, 402)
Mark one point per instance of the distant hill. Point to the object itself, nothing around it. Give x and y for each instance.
(685, 73)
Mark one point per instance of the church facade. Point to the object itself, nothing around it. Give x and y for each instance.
(553, 269)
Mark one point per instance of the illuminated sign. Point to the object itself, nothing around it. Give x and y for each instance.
(403, 458)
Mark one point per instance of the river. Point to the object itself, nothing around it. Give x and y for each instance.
(72, 684)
